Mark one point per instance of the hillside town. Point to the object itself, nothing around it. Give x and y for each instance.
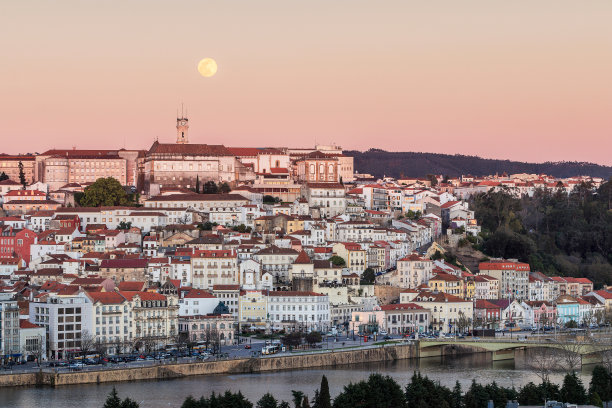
(222, 241)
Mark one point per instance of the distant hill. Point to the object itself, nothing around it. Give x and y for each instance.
(411, 164)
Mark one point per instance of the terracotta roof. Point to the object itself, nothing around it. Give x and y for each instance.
(199, 294)
(292, 293)
(25, 324)
(226, 287)
(131, 286)
(189, 149)
(106, 297)
(302, 258)
(401, 306)
(124, 263)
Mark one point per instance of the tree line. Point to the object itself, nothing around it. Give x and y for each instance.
(416, 164)
(380, 391)
(555, 232)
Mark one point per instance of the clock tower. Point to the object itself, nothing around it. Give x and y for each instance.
(182, 130)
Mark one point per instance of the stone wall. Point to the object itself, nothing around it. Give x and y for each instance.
(238, 366)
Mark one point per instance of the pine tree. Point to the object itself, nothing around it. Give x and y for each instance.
(3, 176)
(456, 397)
(572, 390)
(324, 397)
(22, 178)
(267, 401)
(197, 186)
(113, 400)
(305, 403)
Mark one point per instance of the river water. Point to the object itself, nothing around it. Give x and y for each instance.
(171, 393)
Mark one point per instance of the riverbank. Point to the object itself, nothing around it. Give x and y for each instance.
(383, 353)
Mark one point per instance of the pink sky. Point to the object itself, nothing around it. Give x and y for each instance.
(524, 80)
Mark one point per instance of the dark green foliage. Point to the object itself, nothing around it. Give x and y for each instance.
(113, 401)
(22, 179)
(210, 187)
(313, 338)
(414, 164)
(268, 199)
(3, 176)
(376, 392)
(224, 188)
(298, 396)
(284, 404)
(242, 228)
(601, 383)
(105, 192)
(292, 339)
(557, 233)
(456, 398)
(572, 390)
(368, 277)
(227, 400)
(124, 225)
(423, 392)
(324, 400)
(337, 260)
(478, 395)
(207, 226)
(197, 186)
(267, 401)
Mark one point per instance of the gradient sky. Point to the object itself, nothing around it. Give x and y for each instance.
(526, 80)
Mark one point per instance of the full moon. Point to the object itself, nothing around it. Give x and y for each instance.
(207, 67)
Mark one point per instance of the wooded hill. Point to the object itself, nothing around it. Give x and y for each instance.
(413, 164)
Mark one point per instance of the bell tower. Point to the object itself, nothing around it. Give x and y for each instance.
(182, 130)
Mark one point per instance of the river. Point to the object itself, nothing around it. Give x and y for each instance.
(171, 393)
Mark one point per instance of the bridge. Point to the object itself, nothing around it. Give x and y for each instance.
(590, 352)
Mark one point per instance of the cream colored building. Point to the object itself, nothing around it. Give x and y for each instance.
(214, 267)
(413, 271)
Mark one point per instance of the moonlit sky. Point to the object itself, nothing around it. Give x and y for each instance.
(525, 80)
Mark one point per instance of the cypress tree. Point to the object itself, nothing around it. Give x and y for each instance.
(22, 178)
(324, 397)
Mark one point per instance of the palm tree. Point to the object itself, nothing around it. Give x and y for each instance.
(298, 396)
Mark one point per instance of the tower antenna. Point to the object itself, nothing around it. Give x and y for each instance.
(182, 116)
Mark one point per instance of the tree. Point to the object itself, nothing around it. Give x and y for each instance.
(197, 186)
(572, 390)
(3, 176)
(313, 338)
(298, 396)
(124, 225)
(456, 397)
(267, 401)
(376, 392)
(324, 397)
(113, 400)
(268, 199)
(601, 383)
(337, 260)
(224, 188)
(105, 192)
(292, 339)
(22, 179)
(368, 277)
(210, 187)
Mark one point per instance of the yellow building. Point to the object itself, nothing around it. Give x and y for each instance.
(253, 309)
(447, 283)
(353, 254)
